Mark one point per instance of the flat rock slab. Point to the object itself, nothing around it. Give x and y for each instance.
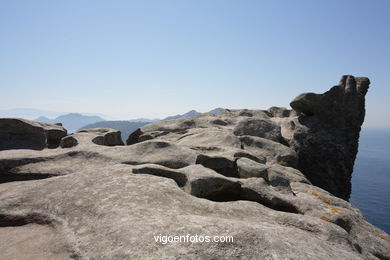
(33, 241)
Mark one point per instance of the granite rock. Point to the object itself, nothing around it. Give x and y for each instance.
(17, 133)
(211, 175)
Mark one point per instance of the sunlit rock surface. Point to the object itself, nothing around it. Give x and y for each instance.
(241, 173)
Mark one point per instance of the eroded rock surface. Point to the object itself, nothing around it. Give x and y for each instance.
(236, 173)
(100, 136)
(326, 134)
(16, 133)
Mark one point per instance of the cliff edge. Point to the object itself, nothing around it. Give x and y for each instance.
(327, 131)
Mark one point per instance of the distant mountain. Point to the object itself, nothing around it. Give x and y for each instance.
(193, 113)
(75, 121)
(216, 111)
(126, 127)
(43, 119)
(189, 114)
(129, 126)
(144, 120)
(28, 113)
(72, 121)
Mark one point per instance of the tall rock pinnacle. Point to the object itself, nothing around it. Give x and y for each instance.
(326, 139)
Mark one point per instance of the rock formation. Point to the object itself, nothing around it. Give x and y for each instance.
(18, 133)
(327, 134)
(100, 136)
(241, 173)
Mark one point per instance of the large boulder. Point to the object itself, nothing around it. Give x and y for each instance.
(16, 133)
(68, 142)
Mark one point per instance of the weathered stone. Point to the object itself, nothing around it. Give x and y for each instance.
(280, 112)
(68, 141)
(104, 136)
(18, 133)
(188, 176)
(258, 127)
(248, 168)
(273, 151)
(326, 140)
(221, 164)
(164, 153)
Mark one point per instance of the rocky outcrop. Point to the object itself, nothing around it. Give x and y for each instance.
(18, 133)
(236, 173)
(68, 141)
(100, 136)
(322, 133)
(327, 131)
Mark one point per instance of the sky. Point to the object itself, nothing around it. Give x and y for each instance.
(130, 59)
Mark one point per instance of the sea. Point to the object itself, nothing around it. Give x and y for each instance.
(371, 177)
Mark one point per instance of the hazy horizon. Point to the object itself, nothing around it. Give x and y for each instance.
(152, 59)
(111, 118)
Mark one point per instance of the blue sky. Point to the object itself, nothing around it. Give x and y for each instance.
(130, 59)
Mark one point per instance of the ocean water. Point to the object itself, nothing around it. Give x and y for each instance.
(371, 177)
